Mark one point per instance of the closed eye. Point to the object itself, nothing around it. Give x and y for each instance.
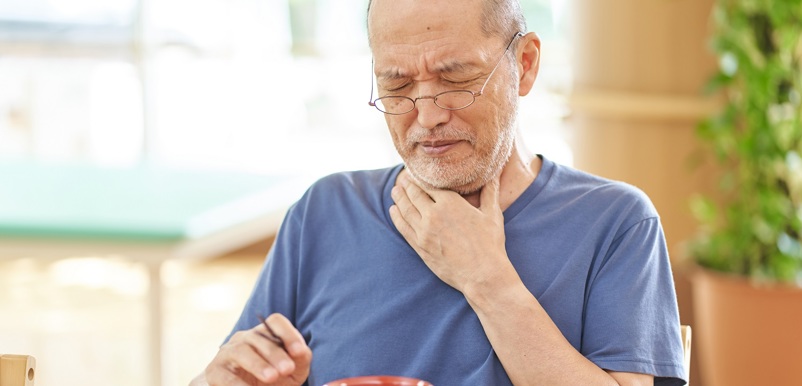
(461, 82)
(394, 88)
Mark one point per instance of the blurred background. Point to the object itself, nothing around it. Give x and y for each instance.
(265, 88)
(261, 86)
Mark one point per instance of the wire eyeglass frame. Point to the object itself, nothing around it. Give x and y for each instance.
(380, 103)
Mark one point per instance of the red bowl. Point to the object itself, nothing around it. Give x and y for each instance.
(379, 380)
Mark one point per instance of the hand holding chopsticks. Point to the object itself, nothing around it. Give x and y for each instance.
(270, 335)
(272, 353)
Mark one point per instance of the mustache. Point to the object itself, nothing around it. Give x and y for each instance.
(439, 133)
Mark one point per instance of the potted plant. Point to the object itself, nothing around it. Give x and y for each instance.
(748, 294)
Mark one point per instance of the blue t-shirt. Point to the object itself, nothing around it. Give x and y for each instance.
(592, 252)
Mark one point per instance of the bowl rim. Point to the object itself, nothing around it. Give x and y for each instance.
(379, 380)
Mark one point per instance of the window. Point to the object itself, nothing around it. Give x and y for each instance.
(251, 85)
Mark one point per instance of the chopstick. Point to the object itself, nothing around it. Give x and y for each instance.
(271, 335)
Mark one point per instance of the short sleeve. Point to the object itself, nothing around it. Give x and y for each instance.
(275, 287)
(631, 322)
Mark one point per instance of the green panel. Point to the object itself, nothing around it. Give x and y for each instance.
(141, 203)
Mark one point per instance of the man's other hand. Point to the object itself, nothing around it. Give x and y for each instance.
(249, 358)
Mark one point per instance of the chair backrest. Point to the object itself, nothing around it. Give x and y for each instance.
(17, 370)
(686, 348)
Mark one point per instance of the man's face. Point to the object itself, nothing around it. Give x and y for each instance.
(423, 49)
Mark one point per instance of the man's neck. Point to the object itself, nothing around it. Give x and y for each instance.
(517, 174)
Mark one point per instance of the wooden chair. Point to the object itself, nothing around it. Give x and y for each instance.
(17, 370)
(686, 348)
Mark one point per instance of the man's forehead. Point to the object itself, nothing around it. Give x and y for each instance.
(417, 37)
(391, 19)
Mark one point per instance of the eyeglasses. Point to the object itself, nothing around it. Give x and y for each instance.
(447, 100)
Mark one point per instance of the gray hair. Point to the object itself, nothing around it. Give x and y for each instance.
(499, 18)
(502, 18)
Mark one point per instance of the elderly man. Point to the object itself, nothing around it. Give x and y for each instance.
(474, 262)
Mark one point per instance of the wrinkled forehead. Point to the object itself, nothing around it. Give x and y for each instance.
(398, 62)
(432, 34)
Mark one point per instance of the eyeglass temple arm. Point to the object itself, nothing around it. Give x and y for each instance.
(481, 90)
(370, 102)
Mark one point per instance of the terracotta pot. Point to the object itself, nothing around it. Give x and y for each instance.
(747, 334)
(380, 380)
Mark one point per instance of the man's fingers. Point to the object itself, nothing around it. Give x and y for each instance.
(216, 376)
(239, 363)
(253, 357)
(293, 341)
(275, 361)
(270, 360)
(401, 224)
(295, 346)
(489, 198)
(406, 208)
(281, 362)
(417, 196)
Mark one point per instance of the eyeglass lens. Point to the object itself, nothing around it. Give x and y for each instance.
(449, 100)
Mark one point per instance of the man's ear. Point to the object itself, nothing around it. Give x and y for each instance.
(528, 62)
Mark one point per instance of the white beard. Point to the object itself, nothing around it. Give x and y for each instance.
(467, 175)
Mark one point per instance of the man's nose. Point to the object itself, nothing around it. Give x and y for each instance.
(429, 114)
